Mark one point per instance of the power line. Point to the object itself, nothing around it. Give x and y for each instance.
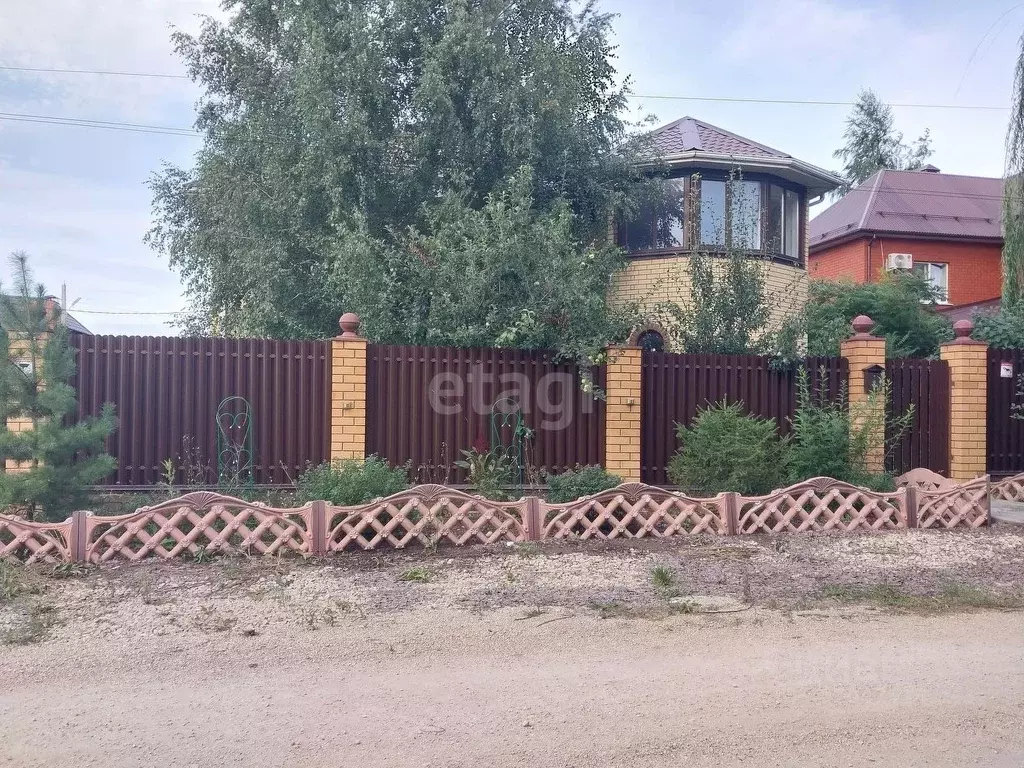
(18, 117)
(814, 102)
(49, 70)
(724, 99)
(120, 312)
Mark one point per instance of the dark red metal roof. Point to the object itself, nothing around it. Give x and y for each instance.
(915, 203)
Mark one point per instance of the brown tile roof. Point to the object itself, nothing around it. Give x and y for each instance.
(915, 203)
(688, 134)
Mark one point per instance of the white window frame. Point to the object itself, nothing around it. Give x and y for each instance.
(928, 268)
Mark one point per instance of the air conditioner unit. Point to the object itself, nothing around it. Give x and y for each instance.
(895, 261)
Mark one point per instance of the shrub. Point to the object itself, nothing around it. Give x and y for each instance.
(489, 472)
(830, 439)
(581, 481)
(349, 481)
(727, 450)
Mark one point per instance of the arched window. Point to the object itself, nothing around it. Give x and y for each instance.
(651, 341)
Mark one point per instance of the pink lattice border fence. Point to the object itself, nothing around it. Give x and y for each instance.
(822, 504)
(429, 515)
(199, 522)
(435, 515)
(35, 542)
(634, 511)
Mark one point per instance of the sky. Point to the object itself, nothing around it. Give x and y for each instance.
(76, 198)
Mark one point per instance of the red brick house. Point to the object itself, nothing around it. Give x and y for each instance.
(946, 226)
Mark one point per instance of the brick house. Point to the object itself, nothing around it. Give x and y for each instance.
(767, 208)
(948, 227)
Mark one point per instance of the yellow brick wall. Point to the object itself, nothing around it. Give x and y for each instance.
(654, 280)
(968, 407)
(348, 398)
(622, 413)
(18, 349)
(861, 354)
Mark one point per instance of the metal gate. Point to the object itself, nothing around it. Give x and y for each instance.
(1005, 433)
(923, 384)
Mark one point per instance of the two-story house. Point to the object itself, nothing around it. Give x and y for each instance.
(764, 211)
(947, 227)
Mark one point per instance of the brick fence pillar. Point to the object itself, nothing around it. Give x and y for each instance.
(968, 402)
(866, 356)
(348, 391)
(622, 413)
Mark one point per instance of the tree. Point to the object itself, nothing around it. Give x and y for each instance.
(873, 143)
(371, 156)
(902, 306)
(1013, 199)
(58, 460)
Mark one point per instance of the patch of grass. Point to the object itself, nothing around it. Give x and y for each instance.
(533, 613)
(663, 578)
(68, 571)
(610, 609)
(685, 607)
(951, 598)
(16, 580)
(35, 628)
(417, 574)
(527, 550)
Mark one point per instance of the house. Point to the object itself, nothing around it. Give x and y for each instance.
(765, 209)
(947, 227)
(52, 307)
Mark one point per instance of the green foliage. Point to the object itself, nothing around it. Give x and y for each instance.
(1013, 197)
(60, 460)
(348, 482)
(902, 306)
(731, 309)
(439, 167)
(1004, 330)
(490, 472)
(873, 143)
(579, 482)
(829, 439)
(727, 450)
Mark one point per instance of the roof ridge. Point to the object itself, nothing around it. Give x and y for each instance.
(870, 204)
(941, 174)
(744, 139)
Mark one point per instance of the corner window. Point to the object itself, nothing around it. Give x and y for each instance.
(937, 276)
(660, 221)
(783, 222)
(712, 212)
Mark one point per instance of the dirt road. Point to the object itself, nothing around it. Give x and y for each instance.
(221, 666)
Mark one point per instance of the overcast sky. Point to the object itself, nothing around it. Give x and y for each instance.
(75, 199)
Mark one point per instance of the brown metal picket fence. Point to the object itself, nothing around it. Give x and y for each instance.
(205, 523)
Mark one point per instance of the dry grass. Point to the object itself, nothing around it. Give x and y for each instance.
(953, 597)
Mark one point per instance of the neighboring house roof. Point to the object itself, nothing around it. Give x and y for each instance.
(72, 324)
(922, 203)
(692, 142)
(968, 311)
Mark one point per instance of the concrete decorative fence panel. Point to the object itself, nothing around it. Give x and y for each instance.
(432, 515)
(199, 522)
(35, 542)
(822, 504)
(633, 511)
(428, 515)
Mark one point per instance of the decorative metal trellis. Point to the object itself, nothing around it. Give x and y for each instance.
(234, 443)
(507, 422)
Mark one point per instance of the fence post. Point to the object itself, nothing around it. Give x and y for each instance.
(731, 512)
(348, 391)
(318, 529)
(968, 402)
(622, 413)
(79, 532)
(533, 518)
(910, 501)
(865, 355)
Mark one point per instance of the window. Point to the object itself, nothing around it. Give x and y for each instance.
(712, 212)
(651, 341)
(745, 215)
(661, 220)
(937, 276)
(783, 222)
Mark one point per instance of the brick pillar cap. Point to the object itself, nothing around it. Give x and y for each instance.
(349, 323)
(862, 325)
(962, 330)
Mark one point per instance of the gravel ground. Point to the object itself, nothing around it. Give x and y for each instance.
(796, 650)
